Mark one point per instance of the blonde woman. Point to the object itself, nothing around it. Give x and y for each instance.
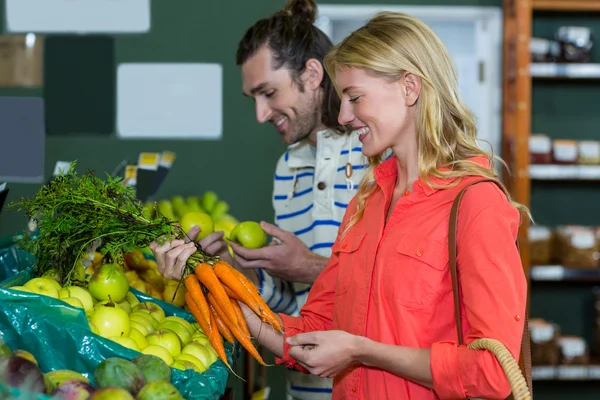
(380, 317)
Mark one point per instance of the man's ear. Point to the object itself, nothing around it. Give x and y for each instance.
(313, 73)
(411, 88)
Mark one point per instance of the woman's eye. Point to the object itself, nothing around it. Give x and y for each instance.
(354, 99)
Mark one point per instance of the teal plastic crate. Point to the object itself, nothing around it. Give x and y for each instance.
(58, 335)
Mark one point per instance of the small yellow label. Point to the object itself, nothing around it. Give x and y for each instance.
(148, 159)
(130, 172)
(168, 157)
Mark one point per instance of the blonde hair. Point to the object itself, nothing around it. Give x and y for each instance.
(389, 45)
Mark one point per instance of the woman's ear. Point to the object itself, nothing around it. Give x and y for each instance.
(412, 88)
(313, 73)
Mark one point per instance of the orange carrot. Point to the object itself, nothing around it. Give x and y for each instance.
(221, 326)
(207, 277)
(241, 319)
(193, 288)
(231, 293)
(239, 284)
(213, 334)
(195, 310)
(243, 339)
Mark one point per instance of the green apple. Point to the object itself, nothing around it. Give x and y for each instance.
(165, 208)
(73, 301)
(184, 365)
(131, 299)
(110, 320)
(159, 351)
(181, 321)
(21, 289)
(109, 282)
(203, 340)
(209, 201)
(80, 293)
(203, 220)
(146, 316)
(138, 338)
(152, 308)
(44, 286)
(180, 330)
(93, 328)
(221, 208)
(167, 339)
(126, 342)
(193, 203)
(200, 367)
(142, 321)
(125, 306)
(143, 328)
(200, 352)
(249, 234)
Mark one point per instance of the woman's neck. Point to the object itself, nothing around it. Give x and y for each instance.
(407, 160)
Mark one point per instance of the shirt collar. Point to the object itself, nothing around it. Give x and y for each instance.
(389, 168)
(300, 154)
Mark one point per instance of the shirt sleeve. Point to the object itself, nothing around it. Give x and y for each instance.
(493, 297)
(315, 315)
(278, 293)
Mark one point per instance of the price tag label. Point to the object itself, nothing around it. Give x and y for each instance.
(131, 175)
(148, 161)
(167, 159)
(548, 273)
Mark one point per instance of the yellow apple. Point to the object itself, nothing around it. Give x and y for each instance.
(126, 342)
(200, 352)
(110, 321)
(138, 338)
(139, 285)
(184, 365)
(154, 292)
(132, 276)
(125, 306)
(43, 286)
(154, 309)
(177, 328)
(82, 294)
(94, 328)
(203, 340)
(143, 328)
(74, 301)
(195, 218)
(167, 339)
(200, 367)
(160, 352)
(142, 321)
(174, 293)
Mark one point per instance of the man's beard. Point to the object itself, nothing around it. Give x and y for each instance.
(305, 122)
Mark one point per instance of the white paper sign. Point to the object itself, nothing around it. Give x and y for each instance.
(170, 101)
(78, 16)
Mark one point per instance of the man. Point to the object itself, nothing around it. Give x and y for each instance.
(281, 64)
(315, 179)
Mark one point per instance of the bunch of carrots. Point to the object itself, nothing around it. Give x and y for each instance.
(213, 292)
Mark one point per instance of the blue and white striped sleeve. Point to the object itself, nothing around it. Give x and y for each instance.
(278, 293)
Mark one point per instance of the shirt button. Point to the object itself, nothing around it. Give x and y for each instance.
(344, 246)
(419, 252)
(322, 185)
(517, 317)
(354, 388)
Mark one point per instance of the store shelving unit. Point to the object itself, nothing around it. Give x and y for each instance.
(518, 77)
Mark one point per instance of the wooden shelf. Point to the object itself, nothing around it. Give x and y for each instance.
(551, 172)
(566, 373)
(559, 273)
(564, 71)
(566, 5)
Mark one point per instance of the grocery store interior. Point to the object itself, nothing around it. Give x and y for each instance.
(148, 92)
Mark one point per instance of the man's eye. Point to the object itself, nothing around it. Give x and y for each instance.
(270, 94)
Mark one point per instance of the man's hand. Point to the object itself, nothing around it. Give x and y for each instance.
(324, 353)
(290, 259)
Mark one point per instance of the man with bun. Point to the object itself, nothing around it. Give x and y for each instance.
(281, 59)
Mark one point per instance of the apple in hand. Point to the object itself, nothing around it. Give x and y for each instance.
(110, 320)
(44, 286)
(167, 339)
(249, 234)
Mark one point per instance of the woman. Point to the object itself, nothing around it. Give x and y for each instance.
(380, 317)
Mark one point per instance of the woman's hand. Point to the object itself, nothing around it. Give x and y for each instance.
(172, 256)
(325, 353)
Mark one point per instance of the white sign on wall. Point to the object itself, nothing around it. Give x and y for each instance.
(77, 16)
(170, 101)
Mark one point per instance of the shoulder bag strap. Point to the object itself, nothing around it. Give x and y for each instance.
(525, 357)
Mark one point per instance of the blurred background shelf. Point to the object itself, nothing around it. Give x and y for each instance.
(557, 273)
(565, 71)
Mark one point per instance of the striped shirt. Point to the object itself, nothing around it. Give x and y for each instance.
(312, 188)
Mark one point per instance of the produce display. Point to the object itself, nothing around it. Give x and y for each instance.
(144, 377)
(91, 252)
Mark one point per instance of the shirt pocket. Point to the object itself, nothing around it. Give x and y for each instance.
(413, 276)
(348, 259)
